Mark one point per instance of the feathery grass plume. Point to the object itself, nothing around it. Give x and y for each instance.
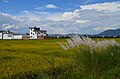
(64, 46)
(77, 41)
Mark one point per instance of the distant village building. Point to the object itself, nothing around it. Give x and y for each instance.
(58, 36)
(17, 36)
(6, 34)
(9, 35)
(1, 35)
(36, 33)
(25, 36)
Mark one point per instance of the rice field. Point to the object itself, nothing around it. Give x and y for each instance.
(58, 59)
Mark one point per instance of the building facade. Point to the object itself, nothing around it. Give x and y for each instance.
(36, 33)
(9, 35)
(1, 35)
(17, 36)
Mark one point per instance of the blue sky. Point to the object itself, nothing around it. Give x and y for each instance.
(17, 6)
(60, 16)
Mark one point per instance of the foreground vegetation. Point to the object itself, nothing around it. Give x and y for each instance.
(45, 59)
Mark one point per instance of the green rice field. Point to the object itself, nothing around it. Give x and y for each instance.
(45, 59)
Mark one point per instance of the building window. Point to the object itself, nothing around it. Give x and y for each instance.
(31, 32)
(42, 36)
(9, 35)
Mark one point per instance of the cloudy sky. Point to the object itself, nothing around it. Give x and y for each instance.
(60, 16)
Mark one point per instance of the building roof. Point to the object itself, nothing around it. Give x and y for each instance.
(34, 28)
(37, 29)
(6, 32)
(17, 34)
(1, 31)
(43, 31)
(25, 35)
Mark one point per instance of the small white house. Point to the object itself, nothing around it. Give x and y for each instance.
(42, 34)
(17, 36)
(36, 33)
(1, 35)
(9, 35)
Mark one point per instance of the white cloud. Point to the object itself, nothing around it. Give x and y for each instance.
(4, 18)
(51, 6)
(105, 28)
(6, 0)
(82, 21)
(31, 16)
(107, 6)
(8, 26)
(65, 16)
(5, 15)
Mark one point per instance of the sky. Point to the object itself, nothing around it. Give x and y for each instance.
(60, 16)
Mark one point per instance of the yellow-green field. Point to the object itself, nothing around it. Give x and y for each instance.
(25, 59)
(19, 57)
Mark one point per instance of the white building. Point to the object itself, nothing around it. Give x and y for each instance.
(36, 33)
(9, 35)
(17, 36)
(1, 35)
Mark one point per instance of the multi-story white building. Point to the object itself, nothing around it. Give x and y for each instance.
(36, 33)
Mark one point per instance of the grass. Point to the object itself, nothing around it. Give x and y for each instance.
(19, 57)
(45, 59)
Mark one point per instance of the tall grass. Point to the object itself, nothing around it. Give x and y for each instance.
(78, 42)
(93, 59)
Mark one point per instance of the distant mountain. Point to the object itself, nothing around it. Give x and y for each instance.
(110, 33)
(107, 33)
(55, 35)
(61, 35)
